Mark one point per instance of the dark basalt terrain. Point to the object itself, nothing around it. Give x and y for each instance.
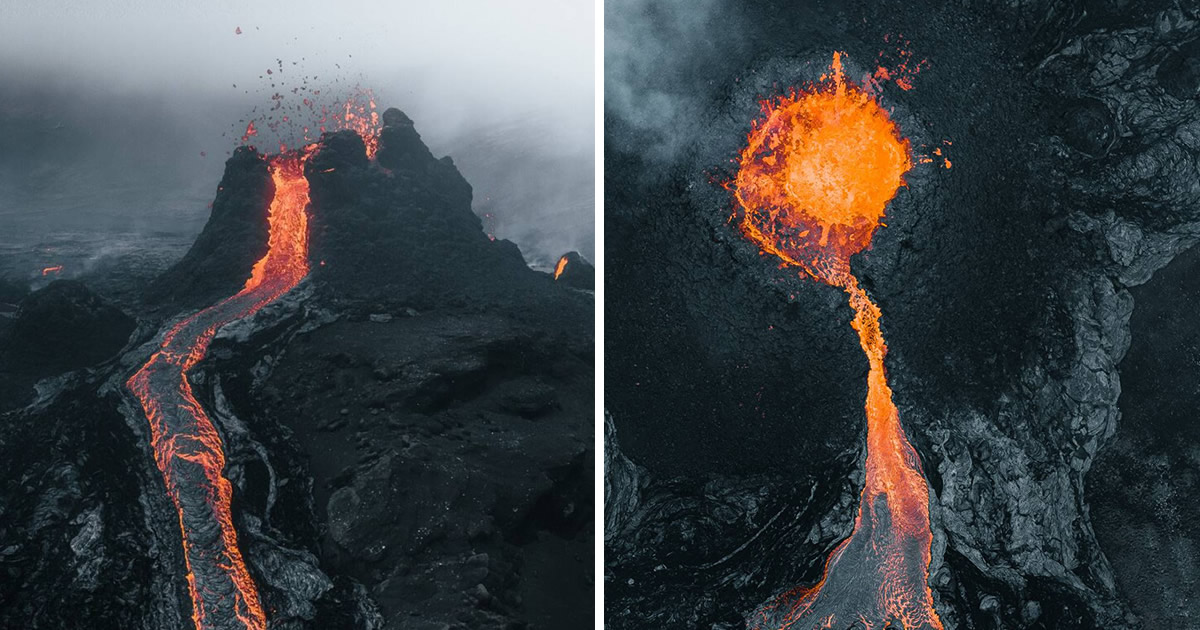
(408, 432)
(1006, 283)
(61, 327)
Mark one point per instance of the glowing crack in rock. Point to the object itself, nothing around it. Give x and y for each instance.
(813, 183)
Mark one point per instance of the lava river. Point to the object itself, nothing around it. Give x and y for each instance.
(187, 447)
(813, 184)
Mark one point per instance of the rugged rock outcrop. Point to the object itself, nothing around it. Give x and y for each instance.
(576, 272)
(401, 229)
(235, 236)
(623, 484)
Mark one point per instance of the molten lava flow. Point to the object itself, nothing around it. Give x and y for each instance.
(813, 185)
(187, 447)
(49, 270)
(560, 267)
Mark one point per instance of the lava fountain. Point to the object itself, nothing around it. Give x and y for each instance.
(814, 181)
(187, 447)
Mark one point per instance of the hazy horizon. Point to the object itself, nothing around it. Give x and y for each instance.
(121, 118)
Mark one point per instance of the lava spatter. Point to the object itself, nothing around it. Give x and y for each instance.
(358, 113)
(187, 447)
(813, 183)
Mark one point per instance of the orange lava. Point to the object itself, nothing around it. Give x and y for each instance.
(560, 267)
(49, 270)
(818, 171)
(815, 179)
(358, 114)
(187, 446)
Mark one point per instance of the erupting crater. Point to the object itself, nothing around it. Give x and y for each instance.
(187, 446)
(814, 181)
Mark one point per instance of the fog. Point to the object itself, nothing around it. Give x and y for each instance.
(116, 118)
(657, 67)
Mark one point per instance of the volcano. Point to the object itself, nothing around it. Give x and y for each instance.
(345, 406)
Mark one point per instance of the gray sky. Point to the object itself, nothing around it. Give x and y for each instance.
(457, 68)
(474, 59)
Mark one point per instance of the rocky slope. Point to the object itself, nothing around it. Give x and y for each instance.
(61, 327)
(408, 433)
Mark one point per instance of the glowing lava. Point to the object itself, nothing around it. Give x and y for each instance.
(358, 113)
(560, 267)
(815, 179)
(818, 171)
(187, 447)
(49, 270)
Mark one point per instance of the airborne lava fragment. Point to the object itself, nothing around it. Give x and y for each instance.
(187, 446)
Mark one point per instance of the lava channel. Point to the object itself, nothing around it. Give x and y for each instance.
(187, 447)
(814, 181)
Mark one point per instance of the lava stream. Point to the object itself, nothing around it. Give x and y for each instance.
(187, 447)
(813, 184)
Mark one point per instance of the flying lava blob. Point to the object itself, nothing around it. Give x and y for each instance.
(813, 184)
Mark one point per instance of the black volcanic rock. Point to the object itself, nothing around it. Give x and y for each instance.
(407, 435)
(393, 117)
(678, 549)
(446, 449)
(578, 272)
(624, 482)
(1089, 127)
(75, 520)
(400, 145)
(339, 149)
(405, 235)
(234, 237)
(1179, 72)
(443, 424)
(11, 292)
(61, 327)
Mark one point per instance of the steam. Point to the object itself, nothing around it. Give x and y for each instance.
(659, 60)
